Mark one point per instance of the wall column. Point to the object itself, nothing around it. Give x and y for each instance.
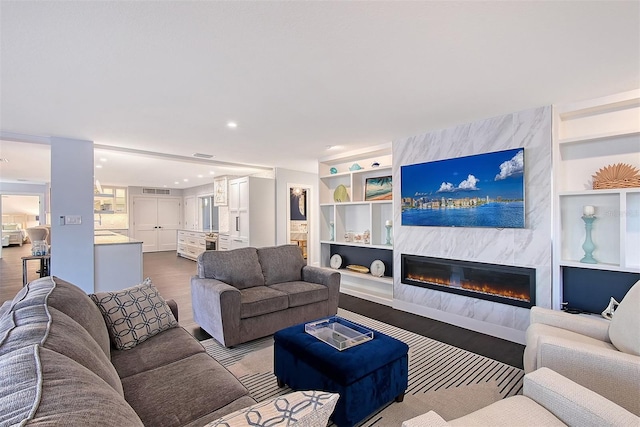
(72, 202)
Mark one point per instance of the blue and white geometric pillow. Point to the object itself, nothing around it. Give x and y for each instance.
(134, 314)
(298, 409)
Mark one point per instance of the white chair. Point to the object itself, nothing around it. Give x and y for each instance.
(548, 399)
(37, 233)
(602, 355)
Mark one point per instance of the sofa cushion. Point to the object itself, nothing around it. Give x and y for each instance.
(134, 314)
(624, 331)
(239, 267)
(75, 303)
(261, 300)
(169, 346)
(302, 293)
(201, 384)
(300, 408)
(54, 330)
(281, 263)
(48, 388)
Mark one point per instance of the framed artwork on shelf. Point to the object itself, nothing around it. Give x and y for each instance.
(378, 188)
(220, 192)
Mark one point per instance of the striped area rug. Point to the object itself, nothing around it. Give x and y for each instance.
(451, 381)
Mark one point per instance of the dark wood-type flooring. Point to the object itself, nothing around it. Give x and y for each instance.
(171, 274)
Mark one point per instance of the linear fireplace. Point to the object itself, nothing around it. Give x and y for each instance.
(498, 283)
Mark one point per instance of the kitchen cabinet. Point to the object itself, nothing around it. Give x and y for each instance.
(252, 212)
(191, 243)
(110, 200)
(156, 221)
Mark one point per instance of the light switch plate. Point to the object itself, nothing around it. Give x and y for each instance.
(73, 219)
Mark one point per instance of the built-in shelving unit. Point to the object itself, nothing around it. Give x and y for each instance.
(354, 226)
(588, 136)
(110, 200)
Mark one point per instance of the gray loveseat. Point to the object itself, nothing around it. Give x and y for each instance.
(59, 368)
(248, 293)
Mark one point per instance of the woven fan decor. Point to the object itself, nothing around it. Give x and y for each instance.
(619, 175)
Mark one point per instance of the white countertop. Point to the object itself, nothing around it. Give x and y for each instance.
(104, 237)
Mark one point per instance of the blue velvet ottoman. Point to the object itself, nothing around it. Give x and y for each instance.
(367, 376)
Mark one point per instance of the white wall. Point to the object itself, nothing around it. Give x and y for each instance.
(528, 247)
(72, 194)
(284, 178)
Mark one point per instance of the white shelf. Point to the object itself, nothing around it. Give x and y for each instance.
(599, 266)
(360, 245)
(588, 136)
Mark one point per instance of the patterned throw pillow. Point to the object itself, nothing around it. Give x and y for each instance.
(297, 409)
(134, 314)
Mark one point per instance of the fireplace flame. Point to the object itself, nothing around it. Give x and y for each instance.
(485, 288)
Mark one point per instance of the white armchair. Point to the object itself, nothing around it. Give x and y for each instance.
(548, 399)
(601, 355)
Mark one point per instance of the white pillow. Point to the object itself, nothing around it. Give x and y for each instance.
(297, 409)
(134, 314)
(624, 330)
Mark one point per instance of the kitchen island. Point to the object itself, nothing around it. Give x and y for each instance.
(117, 261)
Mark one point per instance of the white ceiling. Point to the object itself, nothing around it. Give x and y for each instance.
(297, 76)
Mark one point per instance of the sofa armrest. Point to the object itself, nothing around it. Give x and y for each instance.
(326, 277)
(585, 325)
(216, 308)
(429, 419)
(173, 306)
(572, 403)
(610, 373)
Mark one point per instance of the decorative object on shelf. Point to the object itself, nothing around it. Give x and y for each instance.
(620, 175)
(340, 194)
(358, 268)
(377, 268)
(378, 188)
(39, 247)
(333, 171)
(348, 236)
(608, 312)
(331, 231)
(366, 237)
(355, 167)
(388, 225)
(336, 261)
(588, 246)
(375, 164)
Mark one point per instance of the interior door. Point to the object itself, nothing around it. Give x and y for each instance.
(168, 224)
(145, 218)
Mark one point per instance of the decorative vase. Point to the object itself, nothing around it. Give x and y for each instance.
(388, 227)
(588, 245)
(331, 235)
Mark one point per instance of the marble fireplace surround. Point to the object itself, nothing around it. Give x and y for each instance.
(526, 247)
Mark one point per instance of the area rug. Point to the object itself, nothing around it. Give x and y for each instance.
(451, 381)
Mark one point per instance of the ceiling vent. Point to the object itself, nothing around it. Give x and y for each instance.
(202, 156)
(164, 191)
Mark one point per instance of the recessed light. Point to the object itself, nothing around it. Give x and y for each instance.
(98, 166)
(232, 125)
(332, 147)
(102, 159)
(186, 180)
(164, 186)
(200, 176)
(212, 173)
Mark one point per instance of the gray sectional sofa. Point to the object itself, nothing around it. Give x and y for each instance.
(59, 367)
(249, 293)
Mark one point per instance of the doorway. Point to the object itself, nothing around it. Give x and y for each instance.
(298, 218)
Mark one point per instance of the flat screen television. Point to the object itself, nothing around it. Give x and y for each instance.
(483, 190)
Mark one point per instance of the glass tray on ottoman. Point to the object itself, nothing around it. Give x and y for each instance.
(338, 332)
